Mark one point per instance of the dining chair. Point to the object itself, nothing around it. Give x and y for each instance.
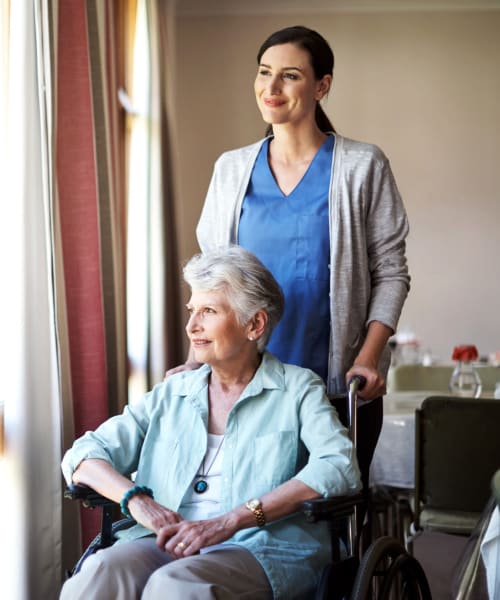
(457, 452)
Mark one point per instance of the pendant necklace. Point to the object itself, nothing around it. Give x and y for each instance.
(200, 485)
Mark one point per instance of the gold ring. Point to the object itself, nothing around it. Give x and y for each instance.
(181, 545)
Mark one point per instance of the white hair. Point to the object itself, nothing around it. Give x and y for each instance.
(249, 285)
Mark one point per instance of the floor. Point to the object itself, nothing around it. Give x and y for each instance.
(438, 554)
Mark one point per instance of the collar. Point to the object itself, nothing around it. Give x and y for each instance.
(192, 384)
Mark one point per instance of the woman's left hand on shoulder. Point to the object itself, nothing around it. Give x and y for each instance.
(375, 383)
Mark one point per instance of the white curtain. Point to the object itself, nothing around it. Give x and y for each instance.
(30, 498)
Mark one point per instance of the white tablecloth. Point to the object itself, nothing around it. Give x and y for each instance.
(394, 458)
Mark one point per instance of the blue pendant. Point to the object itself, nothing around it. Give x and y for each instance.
(200, 486)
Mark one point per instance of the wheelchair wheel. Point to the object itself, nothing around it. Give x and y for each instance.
(388, 572)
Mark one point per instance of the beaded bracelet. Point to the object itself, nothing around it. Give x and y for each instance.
(129, 494)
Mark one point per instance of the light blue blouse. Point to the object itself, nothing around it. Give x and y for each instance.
(283, 426)
(290, 235)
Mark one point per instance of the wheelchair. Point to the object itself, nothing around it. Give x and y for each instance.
(360, 569)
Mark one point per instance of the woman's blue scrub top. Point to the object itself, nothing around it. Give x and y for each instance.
(290, 235)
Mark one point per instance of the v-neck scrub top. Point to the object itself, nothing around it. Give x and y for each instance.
(290, 235)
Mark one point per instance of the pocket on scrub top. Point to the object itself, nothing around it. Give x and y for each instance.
(313, 248)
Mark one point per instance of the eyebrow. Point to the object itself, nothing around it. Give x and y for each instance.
(283, 69)
(210, 305)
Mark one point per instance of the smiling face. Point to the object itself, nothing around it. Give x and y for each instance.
(216, 336)
(286, 88)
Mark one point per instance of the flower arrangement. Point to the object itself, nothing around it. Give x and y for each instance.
(465, 353)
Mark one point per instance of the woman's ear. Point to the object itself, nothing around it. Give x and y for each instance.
(323, 87)
(257, 325)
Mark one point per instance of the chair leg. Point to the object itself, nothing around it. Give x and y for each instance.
(404, 518)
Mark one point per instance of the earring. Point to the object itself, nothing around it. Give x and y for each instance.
(250, 338)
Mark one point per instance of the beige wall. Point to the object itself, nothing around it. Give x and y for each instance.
(423, 86)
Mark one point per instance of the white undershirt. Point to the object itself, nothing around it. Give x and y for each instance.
(196, 506)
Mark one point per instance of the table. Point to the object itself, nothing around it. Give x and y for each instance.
(393, 463)
(392, 472)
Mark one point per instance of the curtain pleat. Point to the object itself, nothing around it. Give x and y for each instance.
(166, 331)
(78, 212)
(111, 216)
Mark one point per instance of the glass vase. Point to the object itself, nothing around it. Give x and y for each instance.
(465, 380)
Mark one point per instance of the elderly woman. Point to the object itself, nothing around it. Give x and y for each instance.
(224, 457)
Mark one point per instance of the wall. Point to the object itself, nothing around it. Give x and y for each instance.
(425, 86)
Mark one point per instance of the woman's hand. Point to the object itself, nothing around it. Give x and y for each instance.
(366, 362)
(187, 366)
(375, 383)
(188, 537)
(103, 478)
(150, 514)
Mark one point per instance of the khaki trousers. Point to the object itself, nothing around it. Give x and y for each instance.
(139, 570)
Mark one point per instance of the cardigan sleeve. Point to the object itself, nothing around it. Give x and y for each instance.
(217, 225)
(386, 231)
(208, 218)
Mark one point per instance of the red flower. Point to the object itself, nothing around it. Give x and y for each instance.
(466, 353)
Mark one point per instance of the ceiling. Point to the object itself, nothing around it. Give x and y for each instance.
(236, 7)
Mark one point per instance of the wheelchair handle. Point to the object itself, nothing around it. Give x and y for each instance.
(355, 384)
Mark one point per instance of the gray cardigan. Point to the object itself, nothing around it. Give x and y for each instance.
(369, 278)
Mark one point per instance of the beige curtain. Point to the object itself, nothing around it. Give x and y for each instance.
(166, 330)
(30, 499)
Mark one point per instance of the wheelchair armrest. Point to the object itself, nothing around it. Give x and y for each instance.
(329, 509)
(89, 497)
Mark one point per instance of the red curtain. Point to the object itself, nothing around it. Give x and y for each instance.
(91, 208)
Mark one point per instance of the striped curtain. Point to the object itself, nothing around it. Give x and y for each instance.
(90, 208)
(92, 63)
(90, 219)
